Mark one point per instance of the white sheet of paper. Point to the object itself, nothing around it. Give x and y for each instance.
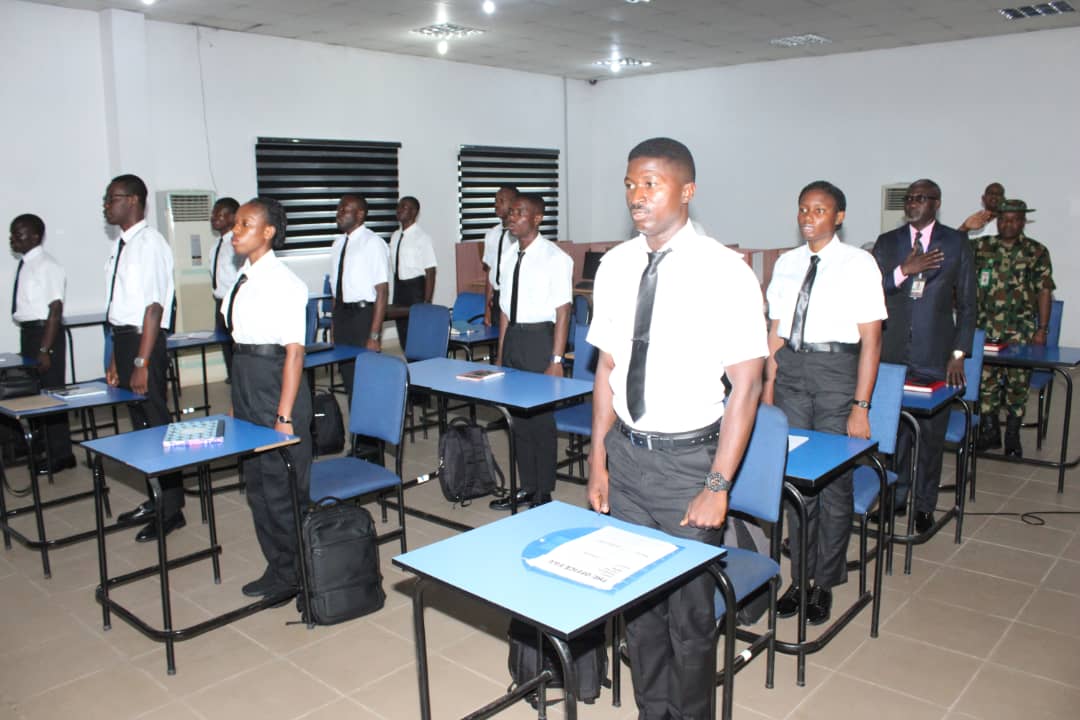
(794, 441)
(603, 558)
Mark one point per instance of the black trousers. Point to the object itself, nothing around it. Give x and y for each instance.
(815, 391)
(496, 311)
(352, 326)
(669, 638)
(528, 347)
(407, 293)
(56, 426)
(227, 346)
(256, 389)
(154, 410)
(931, 450)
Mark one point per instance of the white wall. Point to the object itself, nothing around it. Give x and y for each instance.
(963, 113)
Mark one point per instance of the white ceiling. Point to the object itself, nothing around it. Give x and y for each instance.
(566, 37)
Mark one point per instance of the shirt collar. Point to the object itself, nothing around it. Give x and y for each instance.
(355, 234)
(262, 266)
(32, 253)
(927, 233)
(827, 251)
(129, 234)
(685, 233)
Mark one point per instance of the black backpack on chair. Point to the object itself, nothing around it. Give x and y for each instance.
(327, 425)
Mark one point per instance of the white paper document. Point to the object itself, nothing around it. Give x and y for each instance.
(794, 441)
(603, 558)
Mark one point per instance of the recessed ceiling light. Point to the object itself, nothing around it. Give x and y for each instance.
(800, 40)
(635, 2)
(615, 64)
(447, 31)
(488, 7)
(443, 47)
(148, 2)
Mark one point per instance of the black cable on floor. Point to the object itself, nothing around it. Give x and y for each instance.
(1033, 517)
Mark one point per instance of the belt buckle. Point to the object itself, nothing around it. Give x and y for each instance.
(640, 439)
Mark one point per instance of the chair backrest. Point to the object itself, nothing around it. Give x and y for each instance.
(885, 404)
(760, 481)
(311, 321)
(380, 384)
(108, 345)
(1057, 307)
(973, 367)
(326, 305)
(429, 332)
(581, 310)
(468, 307)
(585, 355)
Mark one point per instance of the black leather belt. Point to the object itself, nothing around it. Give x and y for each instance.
(124, 329)
(668, 441)
(830, 347)
(534, 327)
(357, 305)
(268, 350)
(32, 324)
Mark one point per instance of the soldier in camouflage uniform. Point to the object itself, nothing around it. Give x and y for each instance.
(1015, 282)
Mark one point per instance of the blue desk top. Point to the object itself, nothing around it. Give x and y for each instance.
(142, 449)
(517, 389)
(111, 396)
(84, 319)
(338, 353)
(179, 341)
(1035, 356)
(483, 334)
(14, 360)
(822, 455)
(486, 563)
(930, 403)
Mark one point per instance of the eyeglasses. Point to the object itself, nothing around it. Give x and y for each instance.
(110, 199)
(920, 198)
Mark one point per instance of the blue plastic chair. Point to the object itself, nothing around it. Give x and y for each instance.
(311, 321)
(963, 426)
(1043, 381)
(468, 307)
(579, 315)
(326, 309)
(380, 385)
(576, 420)
(429, 337)
(885, 406)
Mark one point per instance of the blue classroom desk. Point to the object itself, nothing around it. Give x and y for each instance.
(560, 609)
(1060, 361)
(142, 451)
(186, 341)
(70, 322)
(14, 409)
(810, 466)
(478, 335)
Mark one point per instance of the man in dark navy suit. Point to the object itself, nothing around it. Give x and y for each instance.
(929, 278)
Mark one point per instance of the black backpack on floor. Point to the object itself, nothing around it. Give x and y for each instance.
(341, 556)
(589, 652)
(467, 468)
(328, 427)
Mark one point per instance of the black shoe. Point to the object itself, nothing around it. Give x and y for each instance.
(285, 593)
(875, 516)
(1012, 437)
(141, 512)
(989, 433)
(923, 521)
(57, 465)
(259, 587)
(788, 603)
(503, 503)
(149, 533)
(818, 606)
(545, 498)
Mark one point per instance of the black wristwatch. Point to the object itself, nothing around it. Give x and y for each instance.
(716, 482)
(864, 404)
(284, 420)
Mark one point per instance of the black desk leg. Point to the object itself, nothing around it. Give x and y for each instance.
(290, 467)
(421, 648)
(39, 516)
(562, 649)
(513, 458)
(98, 473)
(207, 492)
(799, 504)
(71, 352)
(730, 632)
(163, 566)
(1063, 462)
(205, 389)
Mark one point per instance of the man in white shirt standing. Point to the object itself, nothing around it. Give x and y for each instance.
(978, 223)
(412, 259)
(359, 278)
(224, 266)
(532, 336)
(497, 241)
(139, 293)
(37, 307)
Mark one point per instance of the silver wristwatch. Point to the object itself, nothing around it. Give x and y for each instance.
(140, 362)
(716, 482)
(374, 336)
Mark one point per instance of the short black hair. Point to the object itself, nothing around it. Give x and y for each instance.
(360, 200)
(512, 189)
(671, 150)
(536, 202)
(414, 201)
(829, 189)
(36, 224)
(228, 203)
(931, 183)
(133, 185)
(275, 215)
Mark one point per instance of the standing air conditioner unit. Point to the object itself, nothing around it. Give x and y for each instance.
(184, 220)
(892, 205)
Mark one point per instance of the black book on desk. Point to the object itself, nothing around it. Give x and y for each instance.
(317, 347)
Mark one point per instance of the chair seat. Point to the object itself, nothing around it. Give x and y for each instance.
(954, 433)
(576, 419)
(1040, 379)
(326, 321)
(748, 572)
(348, 477)
(868, 487)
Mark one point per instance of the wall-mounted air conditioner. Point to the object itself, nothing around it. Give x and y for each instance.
(892, 205)
(184, 220)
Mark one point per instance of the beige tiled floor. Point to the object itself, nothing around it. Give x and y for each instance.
(988, 629)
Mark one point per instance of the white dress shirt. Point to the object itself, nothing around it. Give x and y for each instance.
(143, 277)
(546, 278)
(707, 314)
(366, 265)
(41, 282)
(225, 264)
(492, 256)
(417, 253)
(271, 306)
(846, 292)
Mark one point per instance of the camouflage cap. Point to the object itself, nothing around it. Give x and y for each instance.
(1017, 206)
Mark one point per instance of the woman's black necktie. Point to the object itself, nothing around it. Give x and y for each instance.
(798, 321)
(232, 299)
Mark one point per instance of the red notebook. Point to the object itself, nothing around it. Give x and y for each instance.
(994, 346)
(922, 385)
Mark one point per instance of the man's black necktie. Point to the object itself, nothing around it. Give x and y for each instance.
(916, 247)
(339, 296)
(232, 299)
(498, 264)
(514, 292)
(15, 290)
(397, 255)
(213, 268)
(798, 321)
(635, 376)
(112, 283)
